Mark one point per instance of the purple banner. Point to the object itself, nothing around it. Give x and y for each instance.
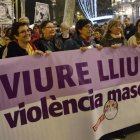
(28, 79)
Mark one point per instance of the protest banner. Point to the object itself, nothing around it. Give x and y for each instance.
(41, 12)
(6, 12)
(69, 95)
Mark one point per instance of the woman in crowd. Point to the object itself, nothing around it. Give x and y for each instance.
(50, 41)
(135, 39)
(36, 33)
(83, 37)
(6, 39)
(21, 45)
(114, 35)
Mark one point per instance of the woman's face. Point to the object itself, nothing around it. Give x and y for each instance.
(116, 29)
(86, 31)
(36, 29)
(49, 31)
(24, 34)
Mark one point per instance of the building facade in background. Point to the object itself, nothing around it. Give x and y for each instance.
(127, 8)
(103, 8)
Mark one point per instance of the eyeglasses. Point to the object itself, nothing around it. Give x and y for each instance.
(25, 31)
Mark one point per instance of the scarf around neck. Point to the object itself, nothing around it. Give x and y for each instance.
(116, 36)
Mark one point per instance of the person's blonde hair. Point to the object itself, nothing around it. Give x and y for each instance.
(112, 23)
(64, 25)
(24, 19)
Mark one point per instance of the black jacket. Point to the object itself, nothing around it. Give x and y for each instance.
(1, 51)
(77, 42)
(15, 50)
(129, 31)
(56, 44)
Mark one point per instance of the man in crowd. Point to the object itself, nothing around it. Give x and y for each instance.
(129, 29)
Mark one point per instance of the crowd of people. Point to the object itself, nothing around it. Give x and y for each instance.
(43, 39)
(21, 40)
